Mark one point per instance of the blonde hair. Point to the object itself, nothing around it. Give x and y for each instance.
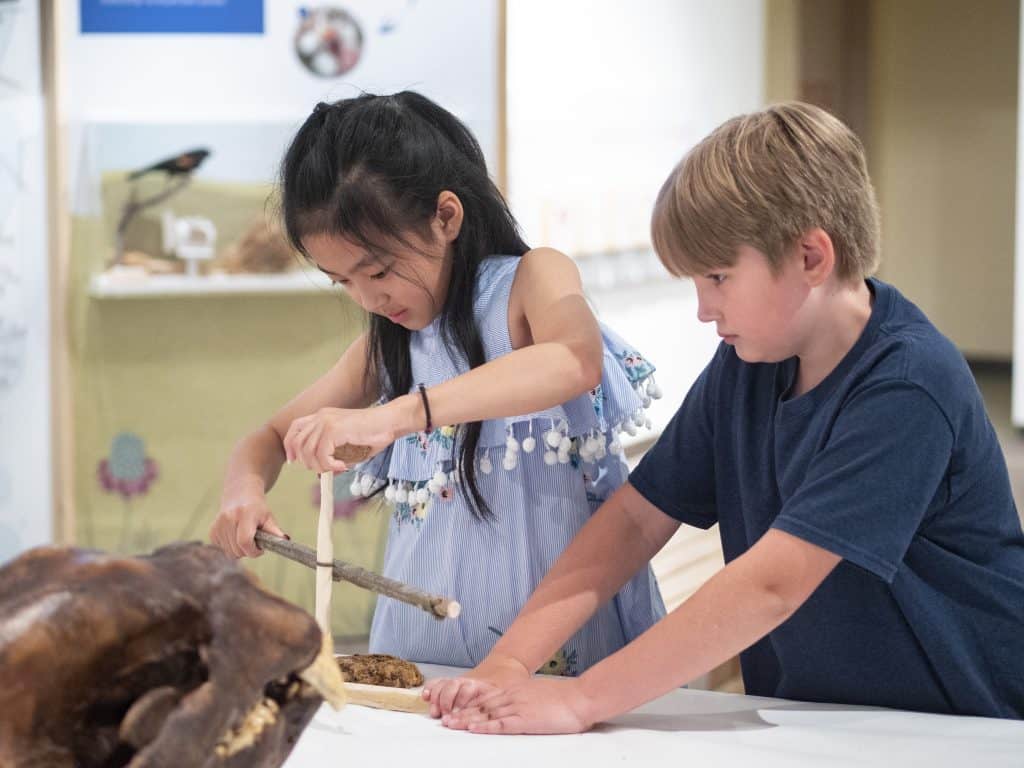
(762, 180)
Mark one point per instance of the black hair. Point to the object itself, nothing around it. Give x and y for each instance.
(370, 169)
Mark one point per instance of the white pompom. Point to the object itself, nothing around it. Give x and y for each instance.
(401, 495)
(509, 462)
(389, 493)
(563, 458)
(366, 485)
(600, 453)
(654, 390)
(422, 496)
(529, 444)
(592, 445)
(647, 401)
(565, 445)
(485, 465)
(629, 427)
(553, 438)
(356, 488)
(648, 424)
(615, 447)
(511, 444)
(440, 478)
(550, 457)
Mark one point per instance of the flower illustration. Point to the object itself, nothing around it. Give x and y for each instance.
(446, 494)
(127, 470)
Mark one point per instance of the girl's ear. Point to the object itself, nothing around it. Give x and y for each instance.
(448, 218)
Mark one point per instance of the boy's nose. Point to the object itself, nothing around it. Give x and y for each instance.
(706, 312)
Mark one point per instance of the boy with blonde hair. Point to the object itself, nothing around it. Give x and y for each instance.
(873, 551)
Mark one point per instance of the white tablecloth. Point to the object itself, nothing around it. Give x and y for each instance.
(687, 728)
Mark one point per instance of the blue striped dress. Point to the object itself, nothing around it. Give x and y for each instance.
(542, 474)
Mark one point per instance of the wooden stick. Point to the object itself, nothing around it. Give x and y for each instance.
(383, 697)
(440, 607)
(324, 553)
(352, 454)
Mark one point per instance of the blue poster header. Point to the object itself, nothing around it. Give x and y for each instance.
(238, 17)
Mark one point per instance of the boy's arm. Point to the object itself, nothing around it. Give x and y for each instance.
(735, 608)
(620, 538)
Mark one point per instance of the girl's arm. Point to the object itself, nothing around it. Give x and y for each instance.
(558, 353)
(256, 459)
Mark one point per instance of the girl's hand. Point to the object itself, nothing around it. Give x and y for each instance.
(242, 511)
(490, 676)
(533, 706)
(312, 439)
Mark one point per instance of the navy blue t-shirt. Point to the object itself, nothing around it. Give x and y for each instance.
(890, 463)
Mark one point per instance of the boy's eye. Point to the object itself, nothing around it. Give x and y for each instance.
(381, 275)
(716, 278)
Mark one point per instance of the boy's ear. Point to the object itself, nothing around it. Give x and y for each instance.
(818, 255)
(448, 218)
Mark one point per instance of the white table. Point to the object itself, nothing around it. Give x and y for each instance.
(685, 728)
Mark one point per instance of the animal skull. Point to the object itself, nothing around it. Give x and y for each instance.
(178, 658)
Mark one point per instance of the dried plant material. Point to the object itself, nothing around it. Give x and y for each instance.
(380, 669)
(262, 249)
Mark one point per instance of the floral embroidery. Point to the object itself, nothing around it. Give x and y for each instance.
(590, 485)
(442, 435)
(414, 513)
(597, 400)
(563, 663)
(635, 365)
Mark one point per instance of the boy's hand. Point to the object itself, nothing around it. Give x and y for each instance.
(241, 513)
(492, 675)
(312, 439)
(532, 706)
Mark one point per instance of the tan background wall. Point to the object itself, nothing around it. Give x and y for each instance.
(188, 376)
(942, 130)
(931, 87)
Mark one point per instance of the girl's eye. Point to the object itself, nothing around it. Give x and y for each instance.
(717, 279)
(381, 275)
(342, 283)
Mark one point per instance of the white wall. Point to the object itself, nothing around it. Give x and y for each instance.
(25, 451)
(604, 98)
(445, 49)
